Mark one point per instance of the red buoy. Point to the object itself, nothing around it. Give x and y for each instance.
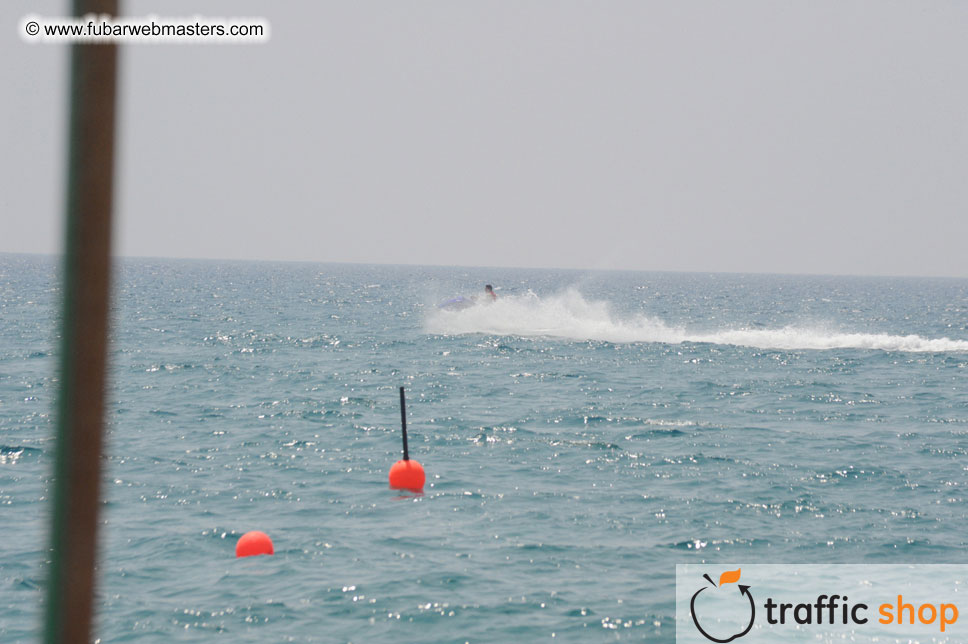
(254, 543)
(407, 475)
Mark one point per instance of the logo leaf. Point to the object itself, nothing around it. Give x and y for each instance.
(729, 577)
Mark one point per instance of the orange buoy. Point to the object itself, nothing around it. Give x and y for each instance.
(407, 475)
(254, 543)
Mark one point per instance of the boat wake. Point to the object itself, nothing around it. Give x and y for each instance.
(570, 316)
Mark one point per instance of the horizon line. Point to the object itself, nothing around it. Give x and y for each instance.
(496, 267)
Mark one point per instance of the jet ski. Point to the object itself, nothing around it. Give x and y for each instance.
(458, 303)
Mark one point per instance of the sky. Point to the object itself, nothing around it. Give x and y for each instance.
(747, 136)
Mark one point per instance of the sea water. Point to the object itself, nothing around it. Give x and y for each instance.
(581, 435)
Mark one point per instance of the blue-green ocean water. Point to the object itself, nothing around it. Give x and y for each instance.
(581, 436)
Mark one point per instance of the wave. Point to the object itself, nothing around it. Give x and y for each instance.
(569, 315)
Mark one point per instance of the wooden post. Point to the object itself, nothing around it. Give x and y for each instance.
(86, 293)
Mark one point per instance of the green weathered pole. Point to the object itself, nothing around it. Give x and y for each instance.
(86, 290)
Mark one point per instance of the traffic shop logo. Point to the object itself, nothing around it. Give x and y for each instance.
(736, 598)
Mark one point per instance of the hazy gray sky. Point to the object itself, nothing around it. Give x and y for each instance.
(795, 137)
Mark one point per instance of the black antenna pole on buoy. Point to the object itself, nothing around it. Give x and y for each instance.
(403, 423)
